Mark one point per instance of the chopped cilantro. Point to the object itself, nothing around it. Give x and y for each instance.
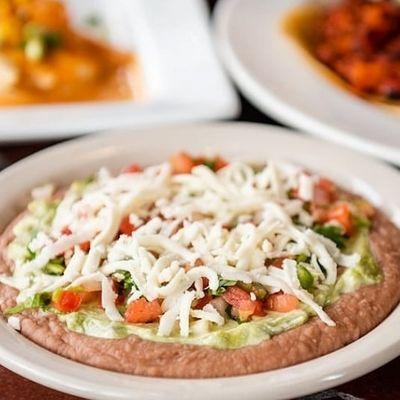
(333, 233)
(126, 278)
(223, 284)
(93, 20)
(210, 164)
(30, 255)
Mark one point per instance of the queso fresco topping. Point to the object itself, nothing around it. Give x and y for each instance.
(191, 248)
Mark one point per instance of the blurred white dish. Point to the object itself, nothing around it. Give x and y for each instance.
(182, 78)
(273, 73)
(379, 183)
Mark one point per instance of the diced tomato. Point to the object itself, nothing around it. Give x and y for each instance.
(205, 282)
(324, 192)
(240, 300)
(327, 185)
(67, 301)
(66, 231)
(259, 310)
(120, 300)
(294, 193)
(85, 246)
(126, 227)
(281, 302)
(89, 297)
(132, 169)
(220, 163)
(277, 262)
(203, 301)
(182, 163)
(341, 213)
(237, 297)
(318, 213)
(142, 311)
(199, 160)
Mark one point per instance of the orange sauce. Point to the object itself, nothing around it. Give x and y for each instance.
(301, 25)
(72, 67)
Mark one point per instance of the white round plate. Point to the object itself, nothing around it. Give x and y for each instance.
(81, 157)
(275, 75)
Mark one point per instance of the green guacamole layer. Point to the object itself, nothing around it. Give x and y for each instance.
(93, 322)
(234, 335)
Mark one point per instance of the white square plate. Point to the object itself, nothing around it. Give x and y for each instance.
(182, 78)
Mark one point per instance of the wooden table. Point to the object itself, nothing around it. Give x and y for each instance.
(382, 384)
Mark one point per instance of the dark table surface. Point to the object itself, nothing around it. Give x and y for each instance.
(382, 384)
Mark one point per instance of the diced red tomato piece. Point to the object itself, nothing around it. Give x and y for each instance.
(220, 163)
(143, 311)
(341, 213)
(259, 309)
(318, 213)
(68, 301)
(203, 301)
(281, 302)
(66, 231)
(120, 300)
(126, 227)
(182, 163)
(294, 193)
(199, 160)
(205, 282)
(237, 297)
(324, 192)
(277, 262)
(132, 169)
(85, 246)
(240, 300)
(327, 185)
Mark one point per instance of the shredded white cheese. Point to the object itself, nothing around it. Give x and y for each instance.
(188, 229)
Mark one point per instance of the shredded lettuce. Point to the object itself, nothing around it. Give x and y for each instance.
(39, 300)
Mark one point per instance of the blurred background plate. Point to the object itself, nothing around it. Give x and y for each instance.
(182, 79)
(274, 74)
